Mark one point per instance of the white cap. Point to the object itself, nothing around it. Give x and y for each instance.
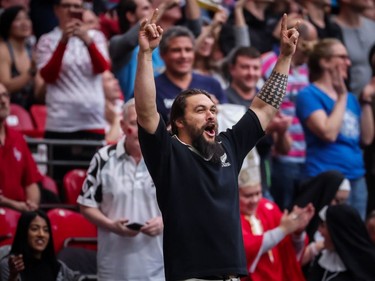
(322, 213)
(250, 170)
(345, 185)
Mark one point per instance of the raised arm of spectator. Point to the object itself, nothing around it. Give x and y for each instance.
(144, 89)
(241, 30)
(367, 119)
(192, 10)
(268, 100)
(214, 28)
(193, 17)
(120, 46)
(99, 62)
(50, 62)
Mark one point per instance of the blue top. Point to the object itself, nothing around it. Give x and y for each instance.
(126, 75)
(344, 154)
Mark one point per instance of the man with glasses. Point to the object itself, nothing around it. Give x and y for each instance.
(18, 172)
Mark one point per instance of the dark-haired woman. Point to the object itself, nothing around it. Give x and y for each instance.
(17, 71)
(349, 254)
(32, 256)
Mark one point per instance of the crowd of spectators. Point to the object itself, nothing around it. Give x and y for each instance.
(78, 59)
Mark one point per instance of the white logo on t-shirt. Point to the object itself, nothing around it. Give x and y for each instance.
(223, 159)
(17, 154)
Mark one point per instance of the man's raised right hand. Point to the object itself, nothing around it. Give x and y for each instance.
(150, 34)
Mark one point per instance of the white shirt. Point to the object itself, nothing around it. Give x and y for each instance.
(127, 192)
(76, 100)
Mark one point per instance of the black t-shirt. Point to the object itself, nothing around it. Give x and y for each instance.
(199, 200)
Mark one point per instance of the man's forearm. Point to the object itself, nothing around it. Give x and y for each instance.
(274, 89)
(269, 99)
(95, 216)
(145, 92)
(33, 193)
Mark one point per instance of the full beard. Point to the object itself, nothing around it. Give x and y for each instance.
(209, 150)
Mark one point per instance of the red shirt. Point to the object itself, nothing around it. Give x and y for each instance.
(17, 166)
(279, 263)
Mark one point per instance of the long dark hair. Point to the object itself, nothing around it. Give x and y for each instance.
(20, 243)
(7, 18)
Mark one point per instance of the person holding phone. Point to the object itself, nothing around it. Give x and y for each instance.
(32, 256)
(71, 59)
(120, 198)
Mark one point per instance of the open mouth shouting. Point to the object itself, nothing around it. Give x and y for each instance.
(210, 130)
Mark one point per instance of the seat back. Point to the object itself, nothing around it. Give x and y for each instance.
(39, 115)
(70, 228)
(8, 225)
(72, 185)
(49, 184)
(19, 118)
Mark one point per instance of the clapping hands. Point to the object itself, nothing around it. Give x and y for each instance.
(297, 220)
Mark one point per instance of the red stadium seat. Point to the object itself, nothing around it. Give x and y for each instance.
(8, 225)
(72, 185)
(19, 118)
(49, 184)
(71, 229)
(39, 115)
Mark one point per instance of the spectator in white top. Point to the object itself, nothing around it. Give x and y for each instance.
(119, 192)
(71, 59)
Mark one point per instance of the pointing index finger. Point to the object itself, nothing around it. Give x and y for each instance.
(284, 22)
(143, 24)
(155, 16)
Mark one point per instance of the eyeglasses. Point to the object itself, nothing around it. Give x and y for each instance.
(69, 5)
(344, 57)
(5, 95)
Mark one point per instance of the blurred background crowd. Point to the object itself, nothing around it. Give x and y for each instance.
(67, 67)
